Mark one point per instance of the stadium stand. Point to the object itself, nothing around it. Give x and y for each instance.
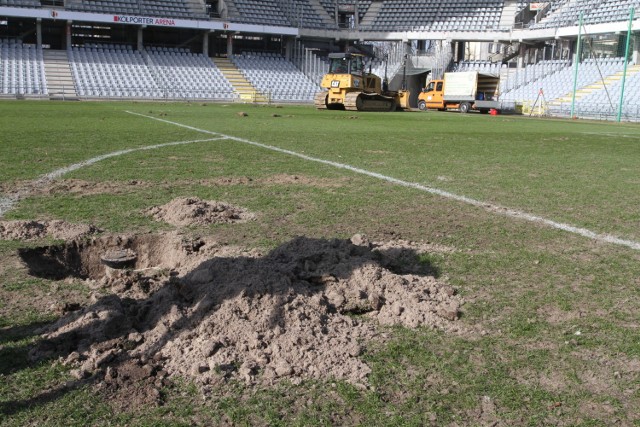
(515, 78)
(119, 71)
(486, 67)
(20, 3)
(112, 71)
(558, 84)
(593, 12)
(273, 75)
(185, 9)
(303, 15)
(21, 69)
(443, 15)
(187, 75)
(260, 12)
(602, 103)
(330, 7)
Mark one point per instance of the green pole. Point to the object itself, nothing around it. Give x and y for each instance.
(626, 62)
(575, 72)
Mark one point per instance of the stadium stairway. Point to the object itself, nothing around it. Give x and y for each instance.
(231, 10)
(371, 15)
(594, 87)
(246, 91)
(509, 13)
(58, 75)
(322, 13)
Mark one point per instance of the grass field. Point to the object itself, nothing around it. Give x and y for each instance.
(553, 317)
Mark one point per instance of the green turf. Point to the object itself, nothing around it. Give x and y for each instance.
(529, 289)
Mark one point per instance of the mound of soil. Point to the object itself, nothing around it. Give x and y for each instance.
(31, 230)
(186, 211)
(306, 310)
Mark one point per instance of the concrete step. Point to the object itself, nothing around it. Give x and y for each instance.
(245, 90)
(57, 71)
(509, 11)
(594, 87)
(372, 14)
(322, 13)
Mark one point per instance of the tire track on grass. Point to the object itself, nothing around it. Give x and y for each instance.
(496, 209)
(7, 202)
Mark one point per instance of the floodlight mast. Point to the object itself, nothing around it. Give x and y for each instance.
(632, 12)
(404, 72)
(577, 63)
(385, 82)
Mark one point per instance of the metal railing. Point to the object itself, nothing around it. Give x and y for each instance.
(157, 93)
(173, 93)
(308, 61)
(595, 111)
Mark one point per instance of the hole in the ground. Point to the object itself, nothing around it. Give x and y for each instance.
(91, 258)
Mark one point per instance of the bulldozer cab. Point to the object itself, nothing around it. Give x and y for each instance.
(350, 87)
(346, 63)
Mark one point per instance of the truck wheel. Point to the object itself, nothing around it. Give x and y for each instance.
(465, 107)
(422, 106)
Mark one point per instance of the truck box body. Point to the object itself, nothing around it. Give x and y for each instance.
(460, 86)
(470, 86)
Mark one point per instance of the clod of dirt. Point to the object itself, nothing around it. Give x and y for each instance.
(31, 230)
(188, 211)
(131, 383)
(306, 310)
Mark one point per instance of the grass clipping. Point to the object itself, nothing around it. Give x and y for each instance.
(306, 310)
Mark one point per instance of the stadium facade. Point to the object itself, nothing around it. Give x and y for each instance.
(566, 57)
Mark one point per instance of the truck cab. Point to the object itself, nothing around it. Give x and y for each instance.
(432, 96)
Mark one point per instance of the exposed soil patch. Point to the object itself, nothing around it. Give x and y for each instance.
(190, 307)
(286, 179)
(186, 211)
(11, 193)
(556, 316)
(87, 188)
(31, 230)
(83, 187)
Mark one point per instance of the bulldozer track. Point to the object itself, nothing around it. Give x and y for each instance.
(358, 101)
(320, 100)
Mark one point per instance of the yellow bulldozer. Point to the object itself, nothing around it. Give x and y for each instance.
(350, 87)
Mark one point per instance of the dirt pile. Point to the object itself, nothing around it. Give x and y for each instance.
(186, 211)
(31, 230)
(302, 311)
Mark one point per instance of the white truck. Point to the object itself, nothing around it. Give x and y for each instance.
(464, 91)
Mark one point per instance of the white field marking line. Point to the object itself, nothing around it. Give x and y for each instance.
(7, 203)
(59, 172)
(621, 135)
(511, 213)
